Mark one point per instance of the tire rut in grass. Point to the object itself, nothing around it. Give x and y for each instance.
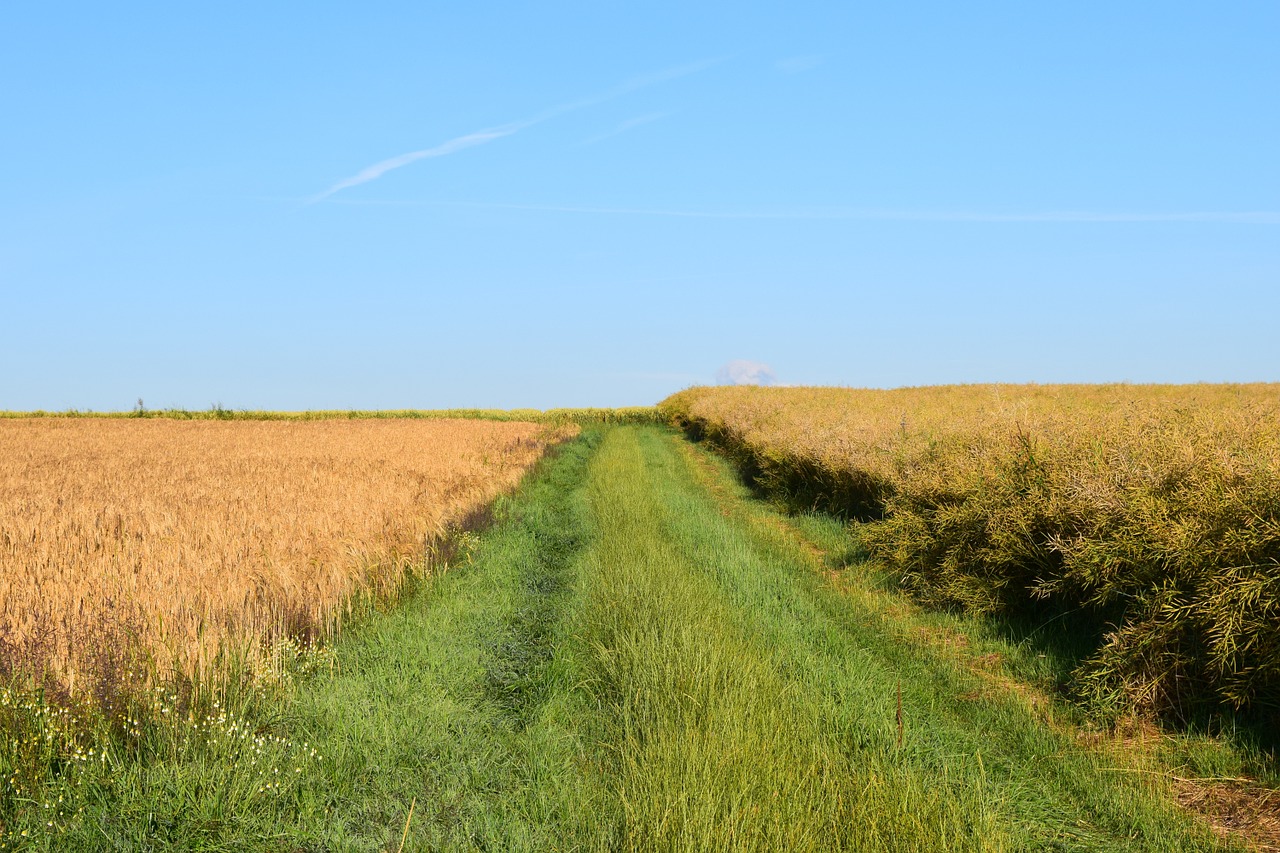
(516, 658)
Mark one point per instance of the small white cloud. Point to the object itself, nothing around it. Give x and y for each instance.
(743, 372)
(796, 64)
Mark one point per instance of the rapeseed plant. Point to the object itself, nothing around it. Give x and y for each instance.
(1153, 509)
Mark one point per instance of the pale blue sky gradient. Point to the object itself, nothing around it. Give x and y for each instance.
(391, 205)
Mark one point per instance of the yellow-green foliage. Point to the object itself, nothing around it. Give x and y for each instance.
(1156, 508)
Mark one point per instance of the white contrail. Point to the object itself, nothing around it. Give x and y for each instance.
(480, 137)
(377, 170)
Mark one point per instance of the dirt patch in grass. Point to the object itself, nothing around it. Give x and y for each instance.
(1235, 808)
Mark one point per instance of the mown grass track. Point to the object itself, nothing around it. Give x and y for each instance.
(639, 657)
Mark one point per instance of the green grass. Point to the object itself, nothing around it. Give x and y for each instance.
(637, 656)
(712, 743)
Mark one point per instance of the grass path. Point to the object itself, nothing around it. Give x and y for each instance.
(437, 704)
(640, 657)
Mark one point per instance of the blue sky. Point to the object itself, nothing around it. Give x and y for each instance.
(388, 205)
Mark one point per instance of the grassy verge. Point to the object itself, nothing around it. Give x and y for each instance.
(973, 702)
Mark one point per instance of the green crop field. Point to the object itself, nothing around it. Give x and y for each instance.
(967, 618)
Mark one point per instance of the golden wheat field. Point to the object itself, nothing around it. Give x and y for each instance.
(167, 542)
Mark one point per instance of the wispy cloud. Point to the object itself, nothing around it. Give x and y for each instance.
(1255, 217)
(377, 170)
(481, 137)
(629, 124)
(796, 64)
